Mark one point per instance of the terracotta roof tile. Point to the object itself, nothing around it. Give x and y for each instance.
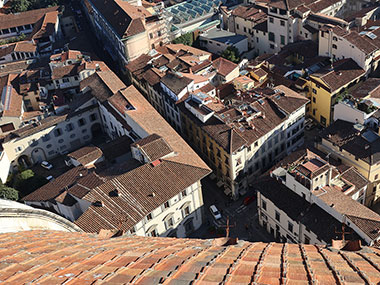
(86, 154)
(224, 66)
(124, 18)
(45, 27)
(344, 72)
(24, 18)
(154, 147)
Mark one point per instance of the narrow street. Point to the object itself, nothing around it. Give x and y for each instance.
(243, 219)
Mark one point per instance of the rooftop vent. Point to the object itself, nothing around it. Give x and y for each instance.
(152, 194)
(98, 203)
(114, 193)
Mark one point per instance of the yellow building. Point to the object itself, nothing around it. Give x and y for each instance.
(243, 83)
(358, 146)
(328, 86)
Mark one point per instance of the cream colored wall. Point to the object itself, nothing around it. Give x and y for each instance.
(232, 75)
(193, 197)
(136, 46)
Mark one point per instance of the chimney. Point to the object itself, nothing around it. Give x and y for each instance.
(156, 162)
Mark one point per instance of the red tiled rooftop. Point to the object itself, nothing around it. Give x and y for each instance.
(59, 257)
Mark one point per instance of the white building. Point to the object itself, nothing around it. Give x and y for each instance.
(15, 217)
(5, 165)
(158, 192)
(216, 41)
(339, 193)
(339, 43)
(53, 135)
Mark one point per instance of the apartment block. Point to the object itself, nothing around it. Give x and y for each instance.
(145, 182)
(324, 191)
(328, 85)
(242, 138)
(362, 46)
(355, 145)
(126, 31)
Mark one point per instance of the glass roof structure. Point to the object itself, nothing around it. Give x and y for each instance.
(192, 9)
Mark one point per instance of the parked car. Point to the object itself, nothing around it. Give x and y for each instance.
(46, 165)
(309, 124)
(215, 212)
(248, 200)
(50, 178)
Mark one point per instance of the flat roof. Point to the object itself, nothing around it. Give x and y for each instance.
(222, 36)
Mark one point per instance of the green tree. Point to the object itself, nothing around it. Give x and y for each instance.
(8, 193)
(19, 6)
(231, 53)
(26, 182)
(25, 5)
(186, 39)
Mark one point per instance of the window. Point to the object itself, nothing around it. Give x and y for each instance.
(17, 149)
(237, 26)
(149, 217)
(244, 29)
(335, 39)
(323, 120)
(282, 23)
(314, 112)
(57, 132)
(169, 223)
(166, 205)
(334, 46)
(60, 140)
(76, 78)
(69, 127)
(159, 33)
(65, 80)
(92, 117)
(271, 46)
(33, 142)
(314, 100)
(277, 214)
(46, 138)
(376, 176)
(150, 35)
(314, 91)
(184, 194)
(189, 227)
(270, 20)
(271, 36)
(49, 145)
(186, 211)
(264, 205)
(306, 240)
(81, 122)
(282, 39)
(290, 227)
(153, 233)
